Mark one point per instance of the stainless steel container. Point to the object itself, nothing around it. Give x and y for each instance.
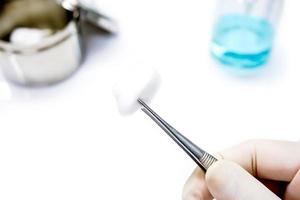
(56, 56)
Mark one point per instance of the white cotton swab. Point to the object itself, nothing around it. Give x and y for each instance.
(137, 83)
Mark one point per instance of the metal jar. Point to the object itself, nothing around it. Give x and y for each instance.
(55, 57)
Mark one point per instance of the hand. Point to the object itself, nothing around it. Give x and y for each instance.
(254, 170)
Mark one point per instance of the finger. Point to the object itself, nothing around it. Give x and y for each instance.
(267, 159)
(195, 188)
(228, 181)
(293, 189)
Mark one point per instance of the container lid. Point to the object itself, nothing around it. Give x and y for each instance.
(95, 17)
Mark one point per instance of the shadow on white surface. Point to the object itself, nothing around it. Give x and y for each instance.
(96, 43)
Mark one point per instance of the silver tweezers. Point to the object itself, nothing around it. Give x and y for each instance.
(202, 158)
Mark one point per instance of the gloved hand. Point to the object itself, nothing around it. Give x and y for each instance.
(254, 170)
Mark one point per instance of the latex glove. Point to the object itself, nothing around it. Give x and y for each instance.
(254, 170)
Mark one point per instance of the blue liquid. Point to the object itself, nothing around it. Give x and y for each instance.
(242, 40)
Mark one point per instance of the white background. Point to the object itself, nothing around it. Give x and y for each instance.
(69, 142)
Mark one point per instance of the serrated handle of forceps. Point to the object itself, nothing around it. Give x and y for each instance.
(207, 160)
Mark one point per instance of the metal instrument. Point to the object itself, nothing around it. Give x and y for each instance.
(203, 159)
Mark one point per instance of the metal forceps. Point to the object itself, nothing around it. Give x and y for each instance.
(203, 159)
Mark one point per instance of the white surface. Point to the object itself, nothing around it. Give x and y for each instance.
(69, 141)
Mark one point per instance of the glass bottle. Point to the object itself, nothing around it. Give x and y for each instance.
(244, 31)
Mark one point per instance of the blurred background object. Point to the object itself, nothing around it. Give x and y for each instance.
(244, 31)
(42, 44)
(40, 14)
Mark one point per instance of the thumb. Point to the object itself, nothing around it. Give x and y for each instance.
(228, 181)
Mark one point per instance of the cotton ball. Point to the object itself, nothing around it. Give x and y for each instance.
(142, 82)
(28, 36)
